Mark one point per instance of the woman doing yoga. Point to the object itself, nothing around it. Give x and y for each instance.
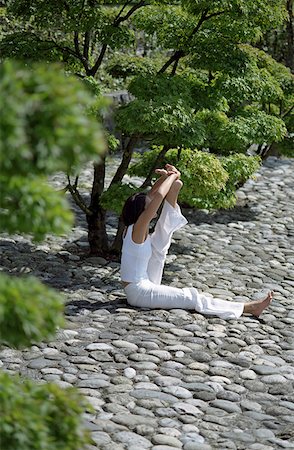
(143, 254)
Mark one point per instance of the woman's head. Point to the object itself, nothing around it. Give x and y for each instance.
(133, 208)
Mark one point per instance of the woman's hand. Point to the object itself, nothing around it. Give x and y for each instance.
(172, 169)
(168, 170)
(161, 172)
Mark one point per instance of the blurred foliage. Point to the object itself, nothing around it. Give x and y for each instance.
(29, 311)
(29, 205)
(40, 416)
(45, 125)
(48, 124)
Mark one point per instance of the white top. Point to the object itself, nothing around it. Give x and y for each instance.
(135, 258)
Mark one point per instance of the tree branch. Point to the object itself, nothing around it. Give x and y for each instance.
(175, 57)
(118, 20)
(77, 196)
(127, 155)
(121, 11)
(81, 57)
(131, 11)
(174, 69)
(86, 45)
(180, 53)
(287, 112)
(77, 44)
(97, 64)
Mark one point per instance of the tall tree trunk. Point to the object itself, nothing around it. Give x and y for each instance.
(97, 235)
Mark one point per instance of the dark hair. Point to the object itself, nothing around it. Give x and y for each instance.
(133, 208)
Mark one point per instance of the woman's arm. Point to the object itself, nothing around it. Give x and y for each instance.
(164, 173)
(172, 196)
(141, 227)
(163, 176)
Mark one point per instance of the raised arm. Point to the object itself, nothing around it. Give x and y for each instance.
(141, 227)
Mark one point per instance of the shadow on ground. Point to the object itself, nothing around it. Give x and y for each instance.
(243, 213)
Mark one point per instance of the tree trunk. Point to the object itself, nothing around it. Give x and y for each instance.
(97, 235)
(117, 243)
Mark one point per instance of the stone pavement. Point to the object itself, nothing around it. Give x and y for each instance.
(166, 380)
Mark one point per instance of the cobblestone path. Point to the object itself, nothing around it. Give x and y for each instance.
(166, 380)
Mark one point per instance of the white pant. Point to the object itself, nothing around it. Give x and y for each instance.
(150, 293)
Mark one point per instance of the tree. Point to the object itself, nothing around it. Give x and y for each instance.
(200, 85)
(279, 43)
(45, 127)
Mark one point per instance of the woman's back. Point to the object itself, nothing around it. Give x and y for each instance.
(135, 258)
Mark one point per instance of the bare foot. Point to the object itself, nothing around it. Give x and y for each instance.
(256, 308)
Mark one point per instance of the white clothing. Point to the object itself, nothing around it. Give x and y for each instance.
(149, 293)
(135, 258)
(146, 294)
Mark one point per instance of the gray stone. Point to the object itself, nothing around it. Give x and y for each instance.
(186, 408)
(94, 383)
(132, 420)
(150, 394)
(180, 360)
(132, 439)
(100, 438)
(226, 406)
(163, 439)
(178, 391)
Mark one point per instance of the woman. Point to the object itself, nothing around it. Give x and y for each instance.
(143, 255)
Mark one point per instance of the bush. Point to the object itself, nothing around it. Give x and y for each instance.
(209, 182)
(29, 311)
(40, 417)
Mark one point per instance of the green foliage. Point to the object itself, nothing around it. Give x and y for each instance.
(123, 66)
(114, 198)
(44, 123)
(27, 45)
(209, 182)
(254, 126)
(239, 168)
(45, 128)
(162, 110)
(171, 24)
(112, 142)
(29, 311)
(201, 171)
(29, 205)
(40, 417)
(286, 148)
(225, 135)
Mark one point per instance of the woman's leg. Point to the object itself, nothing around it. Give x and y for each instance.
(255, 308)
(170, 220)
(146, 294)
